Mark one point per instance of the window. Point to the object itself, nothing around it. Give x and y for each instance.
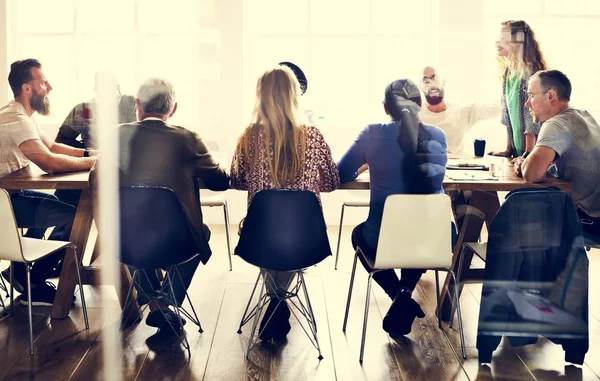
(134, 38)
(349, 51)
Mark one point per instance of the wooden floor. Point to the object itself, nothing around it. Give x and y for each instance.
(65, 351)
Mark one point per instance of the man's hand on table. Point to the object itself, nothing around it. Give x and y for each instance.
(362, 169)
(517, 164)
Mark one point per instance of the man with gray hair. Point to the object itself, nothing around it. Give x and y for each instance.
(156, 153)
(569, 138)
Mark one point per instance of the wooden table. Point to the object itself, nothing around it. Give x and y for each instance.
(480, 208)
(32, 177)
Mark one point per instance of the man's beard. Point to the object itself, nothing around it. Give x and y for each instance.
(434, 100)
(40, 104)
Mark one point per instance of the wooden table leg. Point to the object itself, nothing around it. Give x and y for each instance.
(482, 207)
(68, 276)
(131, 312)
(96, 252)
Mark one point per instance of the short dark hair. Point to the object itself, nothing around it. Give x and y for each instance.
(556, 80)
(20, 73)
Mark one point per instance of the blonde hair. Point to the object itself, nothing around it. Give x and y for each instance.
(277, 115)
(528, 58)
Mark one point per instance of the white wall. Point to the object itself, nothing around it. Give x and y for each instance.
(4, 65)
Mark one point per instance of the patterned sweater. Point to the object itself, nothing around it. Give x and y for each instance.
(317, 172)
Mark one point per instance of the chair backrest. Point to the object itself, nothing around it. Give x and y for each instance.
(532, 235)
(284, 230)
(154, 230)
(415, 232)
(10, 242)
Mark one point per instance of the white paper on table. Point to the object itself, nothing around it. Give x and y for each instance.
(469, 175)
(536, 308)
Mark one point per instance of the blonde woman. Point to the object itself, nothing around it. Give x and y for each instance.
(279, 150)
(520, 57)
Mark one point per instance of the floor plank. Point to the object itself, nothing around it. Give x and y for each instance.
(59, 347)
(175, 361)
(14, 335)
(505, 363)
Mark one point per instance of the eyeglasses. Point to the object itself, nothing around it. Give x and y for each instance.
(531, 95)
(433, 81)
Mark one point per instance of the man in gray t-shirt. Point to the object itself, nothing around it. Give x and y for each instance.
(570, 138)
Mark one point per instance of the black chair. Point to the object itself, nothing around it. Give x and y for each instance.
(536, 275)
(284, 230)
(155, 235)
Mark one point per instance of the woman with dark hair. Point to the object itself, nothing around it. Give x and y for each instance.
(519, 57)
(404, 156)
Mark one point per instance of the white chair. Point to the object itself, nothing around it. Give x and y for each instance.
(212, 199)
(415, 234)
(15, 248)
(349, 201)
(5, 289)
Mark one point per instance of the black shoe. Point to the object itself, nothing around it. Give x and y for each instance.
(18, 286)
(165, 339)
(164, 319)
(399, 318)
(279, 325)
(42, 295)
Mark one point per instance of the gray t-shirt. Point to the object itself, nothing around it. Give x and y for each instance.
(575, 136)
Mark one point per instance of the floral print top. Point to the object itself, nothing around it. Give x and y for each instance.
(317, 173)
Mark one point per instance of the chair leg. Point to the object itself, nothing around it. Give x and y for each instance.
(196, 320)
(186, 343)
(12, 289)
(3, 305)
(437, 296)
(29, 310)
(85, 315)
(310, 309)
(337, 252)
(460, 324)
(255, 323)
(244, 316)
(350, 293)
(457, 279)
(364, 332)
(5, 289)
(128, 296)
(226, 216)
(3, 286)
(312, 315)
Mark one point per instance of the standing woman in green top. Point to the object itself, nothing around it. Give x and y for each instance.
(519, 56)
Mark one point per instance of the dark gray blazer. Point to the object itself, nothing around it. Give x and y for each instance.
(153, 152)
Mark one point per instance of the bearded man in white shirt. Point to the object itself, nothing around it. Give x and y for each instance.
(456, 120)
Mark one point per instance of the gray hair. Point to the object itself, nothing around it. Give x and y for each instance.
(157, 96)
